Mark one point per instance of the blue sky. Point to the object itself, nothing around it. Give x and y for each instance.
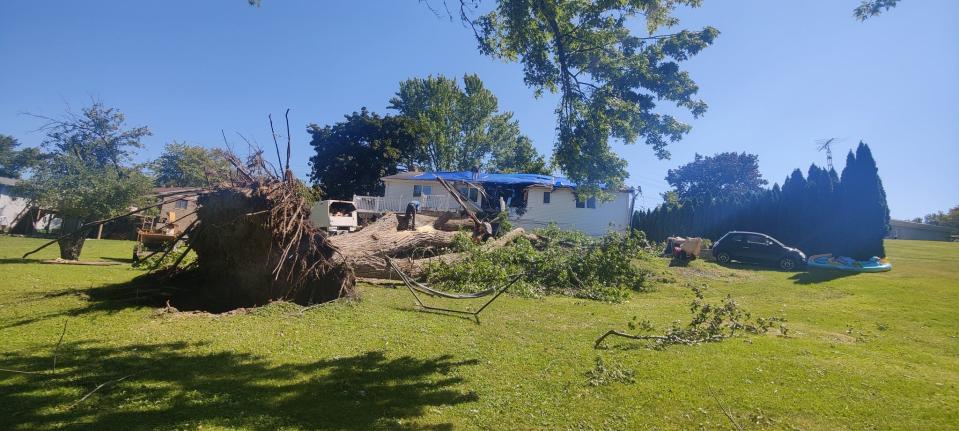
(781, 75)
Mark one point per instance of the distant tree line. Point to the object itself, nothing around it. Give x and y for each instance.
(948, 219)
(821, 212)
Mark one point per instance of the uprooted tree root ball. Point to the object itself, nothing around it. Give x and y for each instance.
(253, 244)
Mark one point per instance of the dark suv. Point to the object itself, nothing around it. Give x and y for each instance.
(757, 248)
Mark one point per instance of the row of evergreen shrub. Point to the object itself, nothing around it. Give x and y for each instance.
(820, 213)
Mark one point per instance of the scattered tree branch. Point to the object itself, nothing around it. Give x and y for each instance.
(100, 386)
(723, 408)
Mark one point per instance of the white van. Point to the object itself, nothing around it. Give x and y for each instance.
(334, 217)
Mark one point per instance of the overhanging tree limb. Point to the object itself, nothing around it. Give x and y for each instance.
(87, 226)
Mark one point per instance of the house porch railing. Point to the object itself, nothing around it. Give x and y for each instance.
(380, 204)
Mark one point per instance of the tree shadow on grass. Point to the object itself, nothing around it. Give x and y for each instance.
(177, 385)
(146, 290)
(748, 266)
(816, 276)
(139, 292)
(18, 261)
(126, 260)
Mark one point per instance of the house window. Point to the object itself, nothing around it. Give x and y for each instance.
(422, 190)
(181, 204)
(546, 197)
(588, 203)
(469, 193)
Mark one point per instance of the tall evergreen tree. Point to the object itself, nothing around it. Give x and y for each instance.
(865, 210)
(819, 213)
(790, 213)
(818, 209)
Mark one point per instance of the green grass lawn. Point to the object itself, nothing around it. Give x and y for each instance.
(865, 351)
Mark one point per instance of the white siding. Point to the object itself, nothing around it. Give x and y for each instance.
(400, 192)
(11, 206)
(612, 215)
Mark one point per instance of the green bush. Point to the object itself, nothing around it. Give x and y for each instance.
(502, 219)
(556, 262)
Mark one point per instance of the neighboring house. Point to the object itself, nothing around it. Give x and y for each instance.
(182, 211)
(13, 204)
(901, 229)
(533, 201)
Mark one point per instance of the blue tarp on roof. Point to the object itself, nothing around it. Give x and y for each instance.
(505, 179)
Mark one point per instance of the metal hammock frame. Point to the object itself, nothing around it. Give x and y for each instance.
(413, 286)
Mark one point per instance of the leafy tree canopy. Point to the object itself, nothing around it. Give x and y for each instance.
(949, 219)
(185, 165)
(88, 173)
(609, 79)
(13, 161)
(352, 155)
(725, 175)
(461, 127)
(870, 8)
(520, 157)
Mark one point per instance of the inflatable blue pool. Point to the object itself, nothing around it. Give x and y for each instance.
(842, 263)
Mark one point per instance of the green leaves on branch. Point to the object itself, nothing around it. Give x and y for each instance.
(722, 176)
(609, 80)
(88, 172)
(351, 156)
(462, 128)
(556, 262)
(76, 190)
(13, 161)
(870, 8)
(185, 165)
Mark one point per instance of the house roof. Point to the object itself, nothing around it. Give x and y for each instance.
(5, 181)
(482, 177)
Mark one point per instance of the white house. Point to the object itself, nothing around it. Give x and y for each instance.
(12, 203)
(533, 201)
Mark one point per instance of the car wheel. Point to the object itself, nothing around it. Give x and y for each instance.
(787, 264)
(723, 258)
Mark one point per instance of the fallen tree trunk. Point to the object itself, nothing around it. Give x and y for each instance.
(368, 249)
(416, 267)
(452, 222)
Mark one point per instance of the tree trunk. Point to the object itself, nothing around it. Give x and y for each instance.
(71, 246)
(368, 249)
